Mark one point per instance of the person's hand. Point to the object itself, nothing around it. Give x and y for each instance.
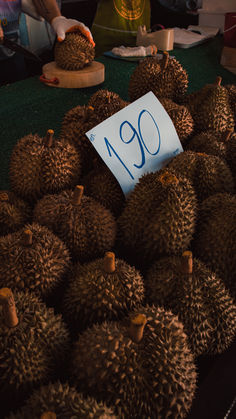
(62, 25)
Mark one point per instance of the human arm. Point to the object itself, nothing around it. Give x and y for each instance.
(49, 10)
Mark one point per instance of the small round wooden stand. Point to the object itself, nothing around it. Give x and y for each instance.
(90, 75)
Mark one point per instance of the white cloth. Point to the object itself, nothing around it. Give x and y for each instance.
(134, 51)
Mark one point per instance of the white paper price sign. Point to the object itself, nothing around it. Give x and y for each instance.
(140, 138)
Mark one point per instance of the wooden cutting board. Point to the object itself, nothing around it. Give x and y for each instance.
(90, 75)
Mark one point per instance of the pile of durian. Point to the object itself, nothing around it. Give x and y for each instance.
(106, 303)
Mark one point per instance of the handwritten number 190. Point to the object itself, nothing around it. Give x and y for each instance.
(141, 142)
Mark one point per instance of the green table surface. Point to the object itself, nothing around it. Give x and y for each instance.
(30, 106)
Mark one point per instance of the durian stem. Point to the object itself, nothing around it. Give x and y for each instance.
(165, 60)
(49, 138)
(227, 134)
(9, 308)
(4, 196)
(28, 237)
(218, 80)
(187, 263)
(77, 195)
(109, 264)
(136, 328)
(48, 415)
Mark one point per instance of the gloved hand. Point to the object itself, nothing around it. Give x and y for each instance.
(62, 25)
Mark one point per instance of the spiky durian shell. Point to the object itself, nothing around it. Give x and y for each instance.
(88, 229)
(39, 267)
(14, 212)
(159, 216)
(106, 103)
(65, 402)
(75, 124)
(181, 118)
(74, 53)
(210, 109)
(221, 145)
(30, 352)
(215, 238)
(231, 89)
(209, 174)
(102, 185)
(231, 155)
(208, 142)
(37, 169)
(95, 295)
(155, 378)
(200, 300)
(170, 81)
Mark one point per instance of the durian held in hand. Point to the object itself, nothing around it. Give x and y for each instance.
(60, 400)
(33, 340)
(198, 297)
(73, 64)
(142, 365)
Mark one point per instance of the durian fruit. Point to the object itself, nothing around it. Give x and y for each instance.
(101, 185)
(181, 118)
(33, 258)
(104, 289)
(74, 53)
(190, 290)
(164, 76)
(159, 216)
(222, 145)
(209, 142)
(33, 342)
(231, 89)
(106, 103)
(145, 368)
(43, 165)
(87, 228)
(215, 238)
(75, 124)
(209, 174)
(14, 212)
(210, 108)
(62, 401)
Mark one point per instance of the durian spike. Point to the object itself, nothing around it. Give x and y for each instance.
(136, 328)
(48, 415)
(4, 196)
(165, 60)
(109, 264)
(28, 237)
(77, 195)
(218, 80)
(227, 134)
(49, 138)
(9, 308)
(187, 263)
